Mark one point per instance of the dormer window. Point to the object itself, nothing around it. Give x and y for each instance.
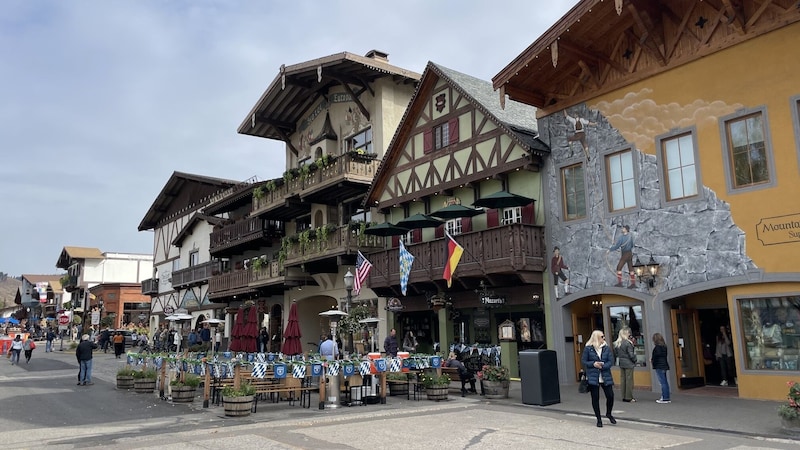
(440, 136)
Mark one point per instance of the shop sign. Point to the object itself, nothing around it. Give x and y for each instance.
(779, 229)
(493, 300)
(394, 305)
(168, 310)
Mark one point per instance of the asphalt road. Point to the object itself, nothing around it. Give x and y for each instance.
(42, 406)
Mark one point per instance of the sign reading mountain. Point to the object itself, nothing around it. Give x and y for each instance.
(779, 230)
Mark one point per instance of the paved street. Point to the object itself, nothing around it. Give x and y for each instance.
(43, 406)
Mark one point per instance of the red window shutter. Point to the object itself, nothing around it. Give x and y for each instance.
(440, 231)
(427, 141)
(416, 236)
(492, 218)
(466, 224)
(395, 241)
(528, 214)
(453, 125)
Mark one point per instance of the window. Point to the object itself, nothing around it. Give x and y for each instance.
(573, 189)
(630, 317)
(361, 142)
(770, 328)
(194, 258)
(441, 136)
(747, 150)
(512, 215)
(679, 166)
(176, 264)
(453, 226)
(621, 181)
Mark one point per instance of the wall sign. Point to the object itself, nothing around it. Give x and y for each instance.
(779, 230)
(493, 300)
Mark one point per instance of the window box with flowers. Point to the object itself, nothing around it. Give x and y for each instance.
(494, 381)
(790, 411)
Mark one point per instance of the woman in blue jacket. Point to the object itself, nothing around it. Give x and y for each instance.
(597, 361)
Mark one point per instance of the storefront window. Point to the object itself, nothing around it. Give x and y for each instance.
(771, 332)
(631, 317)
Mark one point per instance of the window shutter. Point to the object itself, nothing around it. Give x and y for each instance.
(492, 218)
(427, 141)
(466, 224)
(528, 214)
(416, 236)
(395, 241)
(440, 231)
(453, 125)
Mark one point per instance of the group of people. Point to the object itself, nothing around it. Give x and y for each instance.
(597, 359)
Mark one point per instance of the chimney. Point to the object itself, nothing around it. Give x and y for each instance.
(378, 55)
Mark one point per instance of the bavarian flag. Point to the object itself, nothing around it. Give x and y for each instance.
(454, 252)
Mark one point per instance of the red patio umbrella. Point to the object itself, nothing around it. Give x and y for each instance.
(291, 342)
(250, 333)
(236, 332)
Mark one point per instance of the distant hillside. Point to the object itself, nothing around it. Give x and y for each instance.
(8, 289)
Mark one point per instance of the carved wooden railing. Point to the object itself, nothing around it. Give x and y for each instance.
(194, 275)
(228, 281)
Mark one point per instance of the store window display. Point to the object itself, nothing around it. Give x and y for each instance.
(771, 332)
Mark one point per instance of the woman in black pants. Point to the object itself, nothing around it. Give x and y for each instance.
(597, 361)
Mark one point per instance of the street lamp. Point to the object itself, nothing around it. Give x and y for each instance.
(348, 285)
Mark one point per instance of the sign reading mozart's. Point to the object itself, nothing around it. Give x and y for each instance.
(779, 230)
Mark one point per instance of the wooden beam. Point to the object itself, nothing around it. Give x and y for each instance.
(589, 75)
(735, 15)
(358, 102)
(285, 138)
(290, 127)
(650, 39)
(571, 47)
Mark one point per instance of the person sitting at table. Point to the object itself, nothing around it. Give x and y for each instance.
(463, 373)
(328, 349)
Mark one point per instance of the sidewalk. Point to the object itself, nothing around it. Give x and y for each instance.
(687, 410)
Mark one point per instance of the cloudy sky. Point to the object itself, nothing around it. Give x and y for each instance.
(101, 101)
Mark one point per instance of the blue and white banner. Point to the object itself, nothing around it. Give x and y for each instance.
(364, 368)
(259, 370)
(316, 370)
(280, 370)
(299, 370)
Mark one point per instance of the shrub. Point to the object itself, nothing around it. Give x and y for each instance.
(126, 372)
(245, 389)
(494, 373)
(433, 379)
(791, 409)
(144, 373)
(188, 380)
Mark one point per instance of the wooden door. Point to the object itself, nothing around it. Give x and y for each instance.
(687, 348)
(581, 329)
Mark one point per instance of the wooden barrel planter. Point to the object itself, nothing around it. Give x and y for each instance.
(237, 406)
(437, 393)
(144, 385)
(183, 394)
(398, 388)
(124, 382)
(495, 389)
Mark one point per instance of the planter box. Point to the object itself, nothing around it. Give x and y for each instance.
(437, 393)
(124, 382)
(183, 394)
(144, 385)
(237, 406)
(398, 387)
(495, 389)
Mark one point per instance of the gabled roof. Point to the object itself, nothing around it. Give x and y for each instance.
(197, 218)
(68, 254)
(33, 279)
(183, 193)
(517, 120)
(297, 88)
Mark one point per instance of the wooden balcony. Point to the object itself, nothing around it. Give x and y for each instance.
(197, 274)
(230, 238)
(512, 253)
(340, 241)
(71, 283)
(150, 287)
(229, 284)
(347, 176)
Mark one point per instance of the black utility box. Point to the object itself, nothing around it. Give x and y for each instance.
(538, 373)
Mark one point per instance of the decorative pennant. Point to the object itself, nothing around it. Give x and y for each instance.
(436, 362)
(157, 361)
(380, 365)
(271, 357)
(259, 370)
(364, 368)
(299, 370)
(395, 364)
(333, 368)
(316, 370)
(348, 370)
(280, 371)
(261, 357)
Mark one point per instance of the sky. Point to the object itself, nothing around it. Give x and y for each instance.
(101, 101)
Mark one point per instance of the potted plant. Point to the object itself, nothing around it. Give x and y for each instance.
(238, 402)
(398, 383)
(184, 388)
(790, 411)
(125, 378)
(144, 381)
(259, 192)
(436, 386)
(495, 381)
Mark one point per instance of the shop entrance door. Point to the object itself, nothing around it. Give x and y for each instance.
(687, 348)
(581, 329)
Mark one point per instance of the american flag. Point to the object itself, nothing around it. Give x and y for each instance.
(363, 267)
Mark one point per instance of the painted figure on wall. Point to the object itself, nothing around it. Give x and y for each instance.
(578, 125)
(624, 243)
(525, 329)
(557, 267)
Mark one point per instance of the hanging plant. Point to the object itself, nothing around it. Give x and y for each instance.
(305, 240)
(259, 192)
(271, 186)
(289, 175)
(349, 324)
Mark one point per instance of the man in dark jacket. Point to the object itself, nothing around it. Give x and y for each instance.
(390, 343)
(84, 355)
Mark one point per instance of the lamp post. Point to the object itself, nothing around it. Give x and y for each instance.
(348, 285)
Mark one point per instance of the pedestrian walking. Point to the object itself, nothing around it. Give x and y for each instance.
(16, 349)
(49, 337)
(724, 355)
(659, 363)
(119, 344)
(84, 355)
(626, 354)
(597, 361)
(390, 343)
(28, 346)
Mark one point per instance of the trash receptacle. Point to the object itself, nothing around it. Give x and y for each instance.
(538, 373)
(332, 391)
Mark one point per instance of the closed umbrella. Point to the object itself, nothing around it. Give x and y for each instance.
(236, 332)
(503, 199)
(251, 331)
(419, 221)
(385, 229)
(456, 212)
(292, 335)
